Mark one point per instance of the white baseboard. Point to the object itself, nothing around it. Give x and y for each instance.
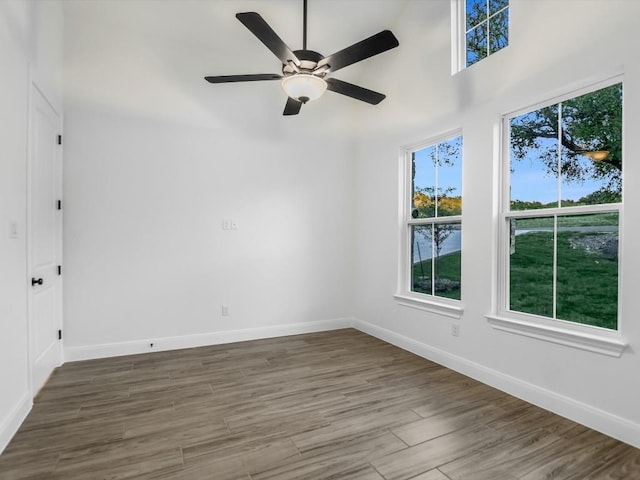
(11, 423)
(89, 352)
(597, 419)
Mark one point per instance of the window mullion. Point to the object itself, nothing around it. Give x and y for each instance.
(411, 174)
(488, 30)
(559, 176)
(579, 210)
(555, 266)
(409, 260)
(433, 259)
(430, 220)
(435, 171)
(506, 252)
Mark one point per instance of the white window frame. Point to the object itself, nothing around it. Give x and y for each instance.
(404, 295)
(459, 34)
(564, 332)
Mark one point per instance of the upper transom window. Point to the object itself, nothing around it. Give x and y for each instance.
(486, 28)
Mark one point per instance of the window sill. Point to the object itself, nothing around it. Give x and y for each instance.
(429, 305)
(612, 347)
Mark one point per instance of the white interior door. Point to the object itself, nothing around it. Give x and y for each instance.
(44, 238)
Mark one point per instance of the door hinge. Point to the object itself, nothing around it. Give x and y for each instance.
(59, 269)
(59, 139)
(59, 204)
(59, 334)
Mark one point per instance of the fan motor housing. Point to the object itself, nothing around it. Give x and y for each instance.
(308, 63)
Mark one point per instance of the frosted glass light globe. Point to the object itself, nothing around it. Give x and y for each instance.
(304, 87)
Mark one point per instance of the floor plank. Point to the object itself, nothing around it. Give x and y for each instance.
(330, 405)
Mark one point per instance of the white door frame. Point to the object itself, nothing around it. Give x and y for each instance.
(37, 377)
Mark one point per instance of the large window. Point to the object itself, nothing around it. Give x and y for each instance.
(562, 204)
(432, 219)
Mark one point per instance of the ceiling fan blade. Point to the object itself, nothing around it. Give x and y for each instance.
(354, 91)
(378, 43)
(261, 29)
(243, 78)
(292, 107)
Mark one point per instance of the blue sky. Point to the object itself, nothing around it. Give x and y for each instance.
(530, 181)
(449, 175)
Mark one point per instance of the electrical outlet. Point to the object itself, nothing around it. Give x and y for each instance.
(13, 229)
(455, 329)
(225, 310)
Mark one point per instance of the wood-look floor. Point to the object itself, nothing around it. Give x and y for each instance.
(334, 405)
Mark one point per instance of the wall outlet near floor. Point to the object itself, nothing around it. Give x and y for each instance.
(455, 329)
(13, 229)
(225, 310)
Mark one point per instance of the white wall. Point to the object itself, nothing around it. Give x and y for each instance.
(554, 46)
(156, 158)
(30, 48)
(147, 259)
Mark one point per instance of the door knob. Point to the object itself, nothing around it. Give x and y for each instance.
(36, 281)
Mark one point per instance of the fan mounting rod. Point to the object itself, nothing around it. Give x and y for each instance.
(304, 24)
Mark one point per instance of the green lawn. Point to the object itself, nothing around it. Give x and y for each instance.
(446, 267)
(587, 284)
(591, 219)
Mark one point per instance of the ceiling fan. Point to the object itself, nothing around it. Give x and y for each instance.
(305, 73)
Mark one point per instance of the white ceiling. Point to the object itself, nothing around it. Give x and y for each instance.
(149, 57)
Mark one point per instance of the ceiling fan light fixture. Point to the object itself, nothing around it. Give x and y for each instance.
(304, 87)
